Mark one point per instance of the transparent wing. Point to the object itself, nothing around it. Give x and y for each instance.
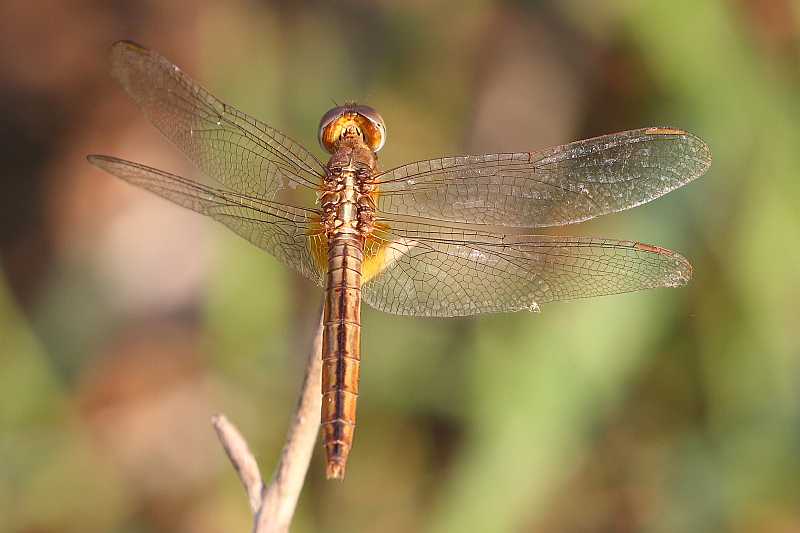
(561, 185)
(234, 149)
(291, 234)
(427, 270)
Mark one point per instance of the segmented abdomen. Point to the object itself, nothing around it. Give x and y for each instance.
(341, 348)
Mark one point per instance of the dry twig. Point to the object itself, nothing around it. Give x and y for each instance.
(273, 505)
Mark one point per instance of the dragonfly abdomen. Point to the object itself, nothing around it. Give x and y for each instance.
(341, 349)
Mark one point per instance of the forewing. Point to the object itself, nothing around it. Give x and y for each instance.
(229, 146)
(562, 185)
(441, 271)
(288, 233)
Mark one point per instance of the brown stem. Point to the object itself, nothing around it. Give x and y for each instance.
(273, 505)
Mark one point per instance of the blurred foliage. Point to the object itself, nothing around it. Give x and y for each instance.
(120, 334)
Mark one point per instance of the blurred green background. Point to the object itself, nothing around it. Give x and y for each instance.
(125, 323)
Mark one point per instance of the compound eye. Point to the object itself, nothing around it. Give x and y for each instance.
(326, 139)
(374, 128)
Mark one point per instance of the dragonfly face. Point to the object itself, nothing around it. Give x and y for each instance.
(359, 120)
(450, 236)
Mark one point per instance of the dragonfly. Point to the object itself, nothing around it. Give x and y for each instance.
(444, 237)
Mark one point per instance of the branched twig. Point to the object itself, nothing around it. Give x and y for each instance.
(273, 505)
(241, 458)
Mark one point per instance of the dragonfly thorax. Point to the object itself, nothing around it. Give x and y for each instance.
(346, 199)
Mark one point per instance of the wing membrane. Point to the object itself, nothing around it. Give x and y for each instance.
(229, 146)
(561, 185)
(445, 271)
(289, 233)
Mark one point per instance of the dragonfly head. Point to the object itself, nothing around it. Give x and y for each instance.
(352, 120)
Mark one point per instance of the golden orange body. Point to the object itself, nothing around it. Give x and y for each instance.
(348, 206)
